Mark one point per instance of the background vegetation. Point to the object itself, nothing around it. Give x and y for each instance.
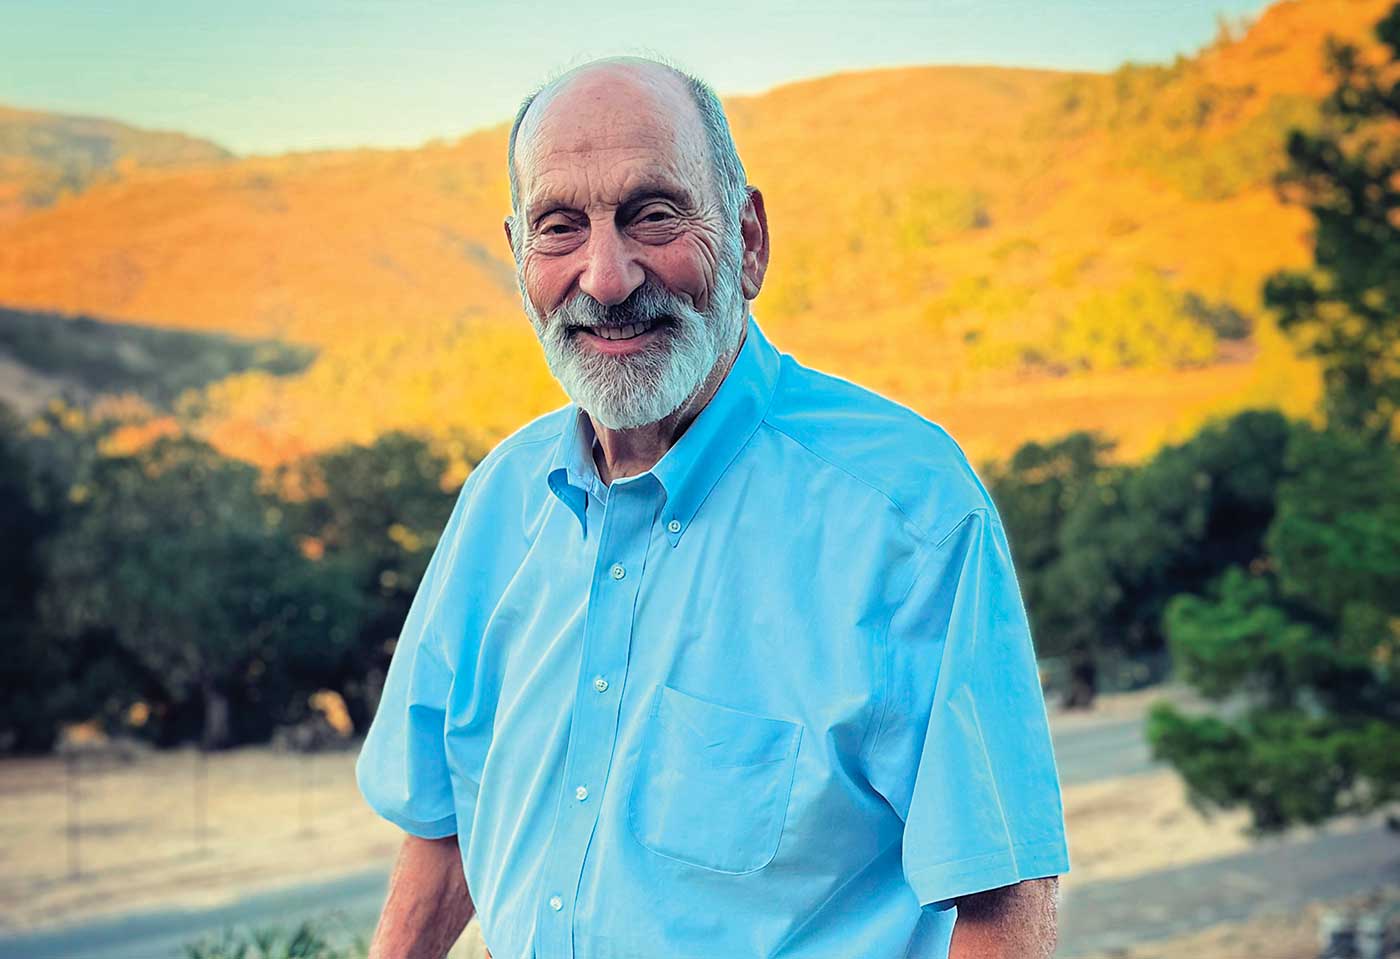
(1173, 291)
(172, 593)
(1087, 247)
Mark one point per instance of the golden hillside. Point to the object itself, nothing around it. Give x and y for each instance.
(46, 156)
(1016, 253)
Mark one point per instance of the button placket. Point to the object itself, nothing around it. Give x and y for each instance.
(624, 536)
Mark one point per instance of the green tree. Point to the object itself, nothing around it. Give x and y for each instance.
(187, 565)
(1041, 485)
(1301, 645)
(30, 669)
(1345, 309)
(1101, 548)
(47, 678)
(378, 510)
(1304, 645)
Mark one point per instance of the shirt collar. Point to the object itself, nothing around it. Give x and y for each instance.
(691, 468)
(572, 472)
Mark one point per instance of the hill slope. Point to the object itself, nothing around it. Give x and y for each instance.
(44, 156)
(1013, 252)
(45, 356)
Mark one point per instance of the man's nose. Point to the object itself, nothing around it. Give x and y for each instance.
(612, 272)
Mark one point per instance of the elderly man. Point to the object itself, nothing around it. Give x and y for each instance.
(725, 658)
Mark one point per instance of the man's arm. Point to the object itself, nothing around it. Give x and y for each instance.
(428, 904)
(1013, 922)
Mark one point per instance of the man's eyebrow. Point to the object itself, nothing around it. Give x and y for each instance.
(537, 209)
(656, 191)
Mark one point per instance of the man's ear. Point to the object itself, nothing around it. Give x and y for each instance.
(753, 226)
(507, 223)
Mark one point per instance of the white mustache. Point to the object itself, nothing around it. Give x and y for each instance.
(649, 303)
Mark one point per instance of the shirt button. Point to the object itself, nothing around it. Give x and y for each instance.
(582, 793)
(556, 903)
(674, 526)
(600, 684)
(617, 571)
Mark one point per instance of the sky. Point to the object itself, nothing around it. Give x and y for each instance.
(268, 76)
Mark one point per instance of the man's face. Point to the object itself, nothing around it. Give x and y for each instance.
(628, 271)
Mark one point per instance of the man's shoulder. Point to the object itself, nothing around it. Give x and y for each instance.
(524, 451)
(909, 459)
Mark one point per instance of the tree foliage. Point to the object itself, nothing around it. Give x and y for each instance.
(378, 510)
(1300, 646)
(29, 672)
(185, 563)
(1345, 309)
(190, 590)
(1101, 548)
(47, 677)
(1142, 323)
(1305, 646)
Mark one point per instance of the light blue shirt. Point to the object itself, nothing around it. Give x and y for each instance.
(774, 697)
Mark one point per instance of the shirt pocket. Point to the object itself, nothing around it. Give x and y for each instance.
(712, 783)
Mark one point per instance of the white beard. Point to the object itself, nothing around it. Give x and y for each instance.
(624, 392)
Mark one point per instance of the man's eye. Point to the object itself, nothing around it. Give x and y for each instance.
(656, 216)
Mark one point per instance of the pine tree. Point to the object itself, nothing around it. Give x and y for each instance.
(1302, 645)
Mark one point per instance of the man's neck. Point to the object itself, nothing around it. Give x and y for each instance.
(622, 453)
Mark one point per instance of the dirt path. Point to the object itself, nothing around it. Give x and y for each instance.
(1278, 877)
(270, 819)
(288, 836)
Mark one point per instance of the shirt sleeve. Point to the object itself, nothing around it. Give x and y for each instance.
(963, 751)
(402, 768)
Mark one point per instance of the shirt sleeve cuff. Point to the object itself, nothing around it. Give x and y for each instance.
(436, 829)
(1006, 867)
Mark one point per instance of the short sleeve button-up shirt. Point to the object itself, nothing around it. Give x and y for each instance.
(775, 697)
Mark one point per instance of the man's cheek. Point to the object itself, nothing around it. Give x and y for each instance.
(538, 284)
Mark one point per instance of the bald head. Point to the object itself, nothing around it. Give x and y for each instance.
(618, 96)
(608, 94)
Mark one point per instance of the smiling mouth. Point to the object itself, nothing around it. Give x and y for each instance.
(628, 332)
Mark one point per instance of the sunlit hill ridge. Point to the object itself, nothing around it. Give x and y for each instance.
(1015, 253)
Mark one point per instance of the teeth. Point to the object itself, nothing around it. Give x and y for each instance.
(623, 332)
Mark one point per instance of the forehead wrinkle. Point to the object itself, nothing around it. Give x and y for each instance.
(628, 139)
(624, 104)
(606, 177)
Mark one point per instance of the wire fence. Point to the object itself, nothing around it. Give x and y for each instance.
(122, 827)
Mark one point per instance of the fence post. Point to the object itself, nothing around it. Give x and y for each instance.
(201, 801)
(74, 824)
(304, 761)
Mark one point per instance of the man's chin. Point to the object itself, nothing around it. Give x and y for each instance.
(626, 413)
(629, 421)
